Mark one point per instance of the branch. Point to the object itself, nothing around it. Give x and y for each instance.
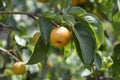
(22, 13)
(10, 54)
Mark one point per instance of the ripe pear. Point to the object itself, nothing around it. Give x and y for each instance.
(60, 37)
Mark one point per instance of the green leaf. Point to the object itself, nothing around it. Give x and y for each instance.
(63, 3)
(86, 42)
(98, 61)
(77, 11)
(45, 28)
(49, 15)
(68, 18)
(116, 59)
(52, 16)
(116, 22)
(116, 51)
(58, 19)
(97, 27)
(105, 6)
(77, 45)
(40, 52)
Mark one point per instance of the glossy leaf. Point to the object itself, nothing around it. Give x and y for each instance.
(86, 42)
(40, 52)
(77, 11)
(77, 45)
(116, 22)
(97, 27)
(45, 28)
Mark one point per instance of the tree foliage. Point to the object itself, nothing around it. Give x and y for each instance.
(94, 45)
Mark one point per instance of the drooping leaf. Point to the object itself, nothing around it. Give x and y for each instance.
(77, 11)
(97, 27)
(116, 22)
(45, 28)
(77, 45)
(40, 52)
(86, 42)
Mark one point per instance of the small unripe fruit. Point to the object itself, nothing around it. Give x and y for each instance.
(60, 37)
(19, 68)
(36, 37)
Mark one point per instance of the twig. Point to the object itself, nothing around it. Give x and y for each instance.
(94, 72)
(7, 52)
(22, 13)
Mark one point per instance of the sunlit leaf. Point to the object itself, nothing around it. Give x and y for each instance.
(40, 52)
(97, 27)
(86, 42)
(45, 28)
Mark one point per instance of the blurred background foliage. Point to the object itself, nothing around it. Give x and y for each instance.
(58, 65)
